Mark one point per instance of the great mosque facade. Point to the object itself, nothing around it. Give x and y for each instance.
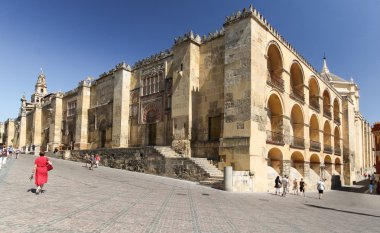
(241, 96)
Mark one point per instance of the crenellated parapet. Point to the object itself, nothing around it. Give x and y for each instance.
(121, 65)
(154, 58)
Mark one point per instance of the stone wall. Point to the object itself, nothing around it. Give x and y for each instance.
(145, 160)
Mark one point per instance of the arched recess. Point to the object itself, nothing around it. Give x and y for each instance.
(326, 104)
(297, 123)
(338, 166)
(327, 138)
(275, 66)
(297, 161)
(296, 82)
(315, 143)
(337, 144)
(315, 164)
(336, 111)
(328, 164)
(314, 93)
(275, 159)
(275, 117)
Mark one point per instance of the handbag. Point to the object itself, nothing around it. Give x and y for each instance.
(49, 167)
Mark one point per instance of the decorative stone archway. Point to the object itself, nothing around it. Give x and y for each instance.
(275, 160)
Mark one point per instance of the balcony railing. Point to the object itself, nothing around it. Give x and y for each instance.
(315, 146)
(297, 142)
(337, 151)
(275, 82)
(275, 138)
(298, 95)
(327, 113)
(327, 149)
(337, 121)
(314, 104)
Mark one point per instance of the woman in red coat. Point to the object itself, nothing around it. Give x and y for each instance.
(41, 171)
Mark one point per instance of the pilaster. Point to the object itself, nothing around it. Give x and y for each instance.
(55, 135)
(121, 100)
(83, 104)
(37, 126)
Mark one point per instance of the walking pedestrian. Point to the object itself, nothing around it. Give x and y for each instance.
(277, 185)
(295, 186)
(97, 160)
(17, 152)
(40, 171)
(285, 183)
(321, 187)
(302, 186)
(92, 162)
(371, 182)
(86, 158)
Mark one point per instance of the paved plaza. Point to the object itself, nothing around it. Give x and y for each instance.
(110, 200)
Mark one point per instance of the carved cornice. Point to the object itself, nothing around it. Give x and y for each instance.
(154, 58)
(121, 65)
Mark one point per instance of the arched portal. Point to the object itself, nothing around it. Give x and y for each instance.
(338, 166)
(326, 104)
(314, 93)
(315, 144)
(275, 115)
(337, 146)
(296, 82)
(315, 164)
(275, 67)
(297, 124)
(297, 162)
(327, 138)
(275, 159)
(328, 164)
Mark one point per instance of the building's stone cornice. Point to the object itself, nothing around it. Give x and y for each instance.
(154, 58)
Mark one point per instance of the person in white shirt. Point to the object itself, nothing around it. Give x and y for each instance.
(285, 183)
(321, 187)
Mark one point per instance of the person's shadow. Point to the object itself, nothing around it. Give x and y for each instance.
(33, 190)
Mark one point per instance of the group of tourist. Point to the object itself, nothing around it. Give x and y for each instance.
(91, 160)
(298, 186)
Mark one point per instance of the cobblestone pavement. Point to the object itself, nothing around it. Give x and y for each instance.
(110, 200)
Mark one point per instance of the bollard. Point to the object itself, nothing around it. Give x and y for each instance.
(228, 178)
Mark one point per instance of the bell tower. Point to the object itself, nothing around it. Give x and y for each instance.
(40, 88)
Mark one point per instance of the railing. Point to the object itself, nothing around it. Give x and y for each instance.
(315, 146)
(327, 113)
(337, 151)
(298, 95)
(337, 121)
(275, 138)
(327, 149)
(297, 142)
(276, 82)
(314, 104)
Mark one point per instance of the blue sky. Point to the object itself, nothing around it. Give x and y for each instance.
(72, 40)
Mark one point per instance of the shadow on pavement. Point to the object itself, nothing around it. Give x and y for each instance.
(344, 211)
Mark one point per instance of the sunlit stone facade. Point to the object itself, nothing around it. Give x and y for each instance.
(242, 96)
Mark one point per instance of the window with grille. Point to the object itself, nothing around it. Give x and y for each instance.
(71, 108)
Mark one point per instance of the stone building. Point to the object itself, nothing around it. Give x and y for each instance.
(1, 133)
(376, 146)
(242, 96)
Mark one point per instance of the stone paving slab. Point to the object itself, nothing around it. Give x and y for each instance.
(111, 200)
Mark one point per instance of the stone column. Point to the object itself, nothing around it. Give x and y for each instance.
(286, 167)
(10, 132)
(83, 104)
(22, 130)
(55, 134)
(306, 168)
(37, 126)
(121, 101)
